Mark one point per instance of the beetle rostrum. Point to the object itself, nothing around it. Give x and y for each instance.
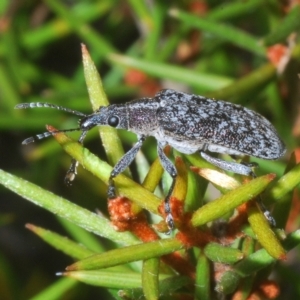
(187, 122)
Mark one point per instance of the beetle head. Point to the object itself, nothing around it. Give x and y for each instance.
(112, 115)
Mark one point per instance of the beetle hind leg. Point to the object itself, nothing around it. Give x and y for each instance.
(266, 212)
(243, 168)
(259, 201)
(238, 168)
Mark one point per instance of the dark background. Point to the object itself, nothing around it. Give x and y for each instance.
(40, 60)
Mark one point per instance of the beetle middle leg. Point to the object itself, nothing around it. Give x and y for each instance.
(170, 168)
(122, 164)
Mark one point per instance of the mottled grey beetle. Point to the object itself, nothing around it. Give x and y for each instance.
(189, 123)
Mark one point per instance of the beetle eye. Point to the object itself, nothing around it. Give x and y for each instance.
(113, 121)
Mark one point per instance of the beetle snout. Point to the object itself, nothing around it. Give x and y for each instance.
(86, 123)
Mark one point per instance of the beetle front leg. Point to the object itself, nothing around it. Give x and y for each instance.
(72, 171)
(170, 168)
(122, 164)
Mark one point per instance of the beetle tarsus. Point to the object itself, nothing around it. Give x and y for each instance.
(71, 173)
(170, 222)
(266, 213)
(111, 190)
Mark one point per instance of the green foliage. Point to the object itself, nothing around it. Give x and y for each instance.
(224, 247)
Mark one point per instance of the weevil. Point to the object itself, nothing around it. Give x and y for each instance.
(187, 122)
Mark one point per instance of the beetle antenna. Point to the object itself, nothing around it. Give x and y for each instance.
(71, 173)
(46, 134)
(49, 105)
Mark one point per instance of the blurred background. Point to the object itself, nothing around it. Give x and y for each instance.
(246, 52)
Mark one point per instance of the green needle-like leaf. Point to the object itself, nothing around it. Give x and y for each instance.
(219, 207)
(166, 71)
(110, 279)
(221, 30)
(63, 208)
(127, 254)
(102, 170)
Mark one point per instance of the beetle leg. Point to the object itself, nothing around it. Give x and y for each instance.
(261, 205)
(238, 168)
(242, 168)
(72, 171)
(170, 168)
(122, 164)
(266, 212)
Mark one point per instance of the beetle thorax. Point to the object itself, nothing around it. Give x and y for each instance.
(142, 116)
